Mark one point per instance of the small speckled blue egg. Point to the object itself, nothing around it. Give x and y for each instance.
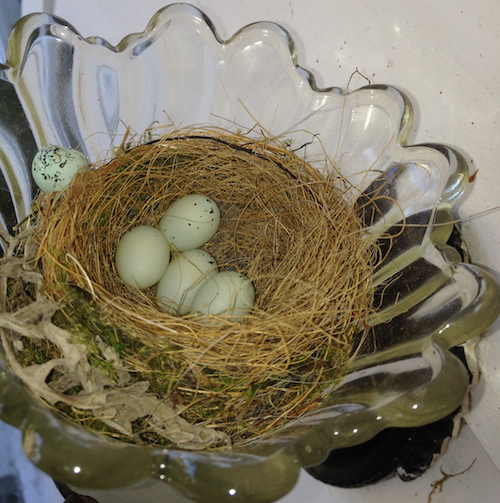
(190, 222)
(54, 167)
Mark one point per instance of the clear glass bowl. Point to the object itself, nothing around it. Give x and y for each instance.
(57, 87)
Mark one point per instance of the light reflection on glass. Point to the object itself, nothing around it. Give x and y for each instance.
(368, 117)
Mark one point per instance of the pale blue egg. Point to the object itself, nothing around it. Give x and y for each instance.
(54, 167)
(228, 293)
(142, 256)
(182, 279)
(190, 222)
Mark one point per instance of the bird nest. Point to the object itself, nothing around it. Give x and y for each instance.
(116, 363)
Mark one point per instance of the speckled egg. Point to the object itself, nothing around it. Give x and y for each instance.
(54, 167)
(228, 293)
(190, 222)
(142, 256)
(182, 279)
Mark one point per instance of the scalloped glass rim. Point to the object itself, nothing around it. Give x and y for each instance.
(404, 375)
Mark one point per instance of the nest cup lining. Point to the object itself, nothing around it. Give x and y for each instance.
(292, 231)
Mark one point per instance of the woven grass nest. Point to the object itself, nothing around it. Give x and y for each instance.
(202, 381)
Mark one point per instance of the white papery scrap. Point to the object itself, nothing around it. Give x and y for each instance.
(118, 401)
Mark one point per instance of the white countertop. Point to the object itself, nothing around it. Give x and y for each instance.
(445, 55)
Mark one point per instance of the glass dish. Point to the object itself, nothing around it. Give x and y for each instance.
(57, 87)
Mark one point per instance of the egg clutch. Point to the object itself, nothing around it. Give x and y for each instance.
(191, 281)
(224, 273)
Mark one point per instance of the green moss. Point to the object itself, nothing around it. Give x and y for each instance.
(37, 352)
